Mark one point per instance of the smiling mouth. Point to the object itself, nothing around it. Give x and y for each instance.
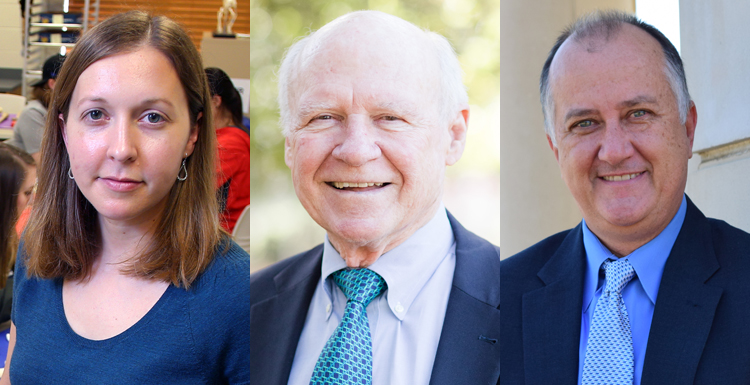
(618, 178)
(348, 185)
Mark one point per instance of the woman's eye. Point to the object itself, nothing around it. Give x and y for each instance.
(154, 118)
(95, 115)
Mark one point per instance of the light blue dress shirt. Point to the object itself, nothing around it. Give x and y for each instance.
(405, 321)
(639, 294)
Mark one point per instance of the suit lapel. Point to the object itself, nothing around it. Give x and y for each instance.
(685, 306)
(276, 342)
(552, 316)
(468, 351)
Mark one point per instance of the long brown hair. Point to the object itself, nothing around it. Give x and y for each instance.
(13, 164)
(62, 238)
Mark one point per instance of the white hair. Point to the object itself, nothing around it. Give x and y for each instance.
(453, 94)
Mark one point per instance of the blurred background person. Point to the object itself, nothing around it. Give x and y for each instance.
(17, 180)
(124, 272)
(234, 148)
(27, 133)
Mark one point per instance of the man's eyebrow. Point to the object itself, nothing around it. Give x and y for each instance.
(310, 108)
(399, 108)
(579, 112)
(640, 99)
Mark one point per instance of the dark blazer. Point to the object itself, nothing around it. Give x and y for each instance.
(468, 351)
(700, 332)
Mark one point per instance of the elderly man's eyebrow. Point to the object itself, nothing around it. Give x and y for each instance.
(308, 109)
(399, 108)
(579, 112)
(640, 99)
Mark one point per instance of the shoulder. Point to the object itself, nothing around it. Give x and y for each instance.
(225, 285)
(730, 243)
(231, 265)
(221, 291)
(466, 241)
(233, 138)
(263, 284)
(219, 311)
(532, 259)
(34, 107)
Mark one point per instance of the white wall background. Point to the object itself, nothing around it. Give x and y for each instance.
(716, 52)
(11, 36)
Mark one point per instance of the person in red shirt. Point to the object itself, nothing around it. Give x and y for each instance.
(234, 148)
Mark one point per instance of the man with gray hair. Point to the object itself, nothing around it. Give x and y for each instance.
(373, 110)
(581, 306)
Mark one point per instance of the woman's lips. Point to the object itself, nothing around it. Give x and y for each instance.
(121, 185)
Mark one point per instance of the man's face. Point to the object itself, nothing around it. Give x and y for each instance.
(620, 146)
(369, 153)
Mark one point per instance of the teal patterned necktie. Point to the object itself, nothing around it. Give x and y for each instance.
(609, 350)
(347, 356)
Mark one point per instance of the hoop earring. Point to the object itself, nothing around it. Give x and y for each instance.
(70, 176)
(183, 169)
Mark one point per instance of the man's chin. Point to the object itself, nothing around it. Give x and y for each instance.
(357, 231)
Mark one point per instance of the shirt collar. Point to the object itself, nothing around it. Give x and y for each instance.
(648, 260)
(407, 267)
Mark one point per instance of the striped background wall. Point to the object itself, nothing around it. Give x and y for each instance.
(196, 16)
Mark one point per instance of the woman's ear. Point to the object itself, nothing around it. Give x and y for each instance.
(190, 145)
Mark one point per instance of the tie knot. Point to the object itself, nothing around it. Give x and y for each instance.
(360, 285)
(617, 274)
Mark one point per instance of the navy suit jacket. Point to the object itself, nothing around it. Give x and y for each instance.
(700, 332)
(468, 351)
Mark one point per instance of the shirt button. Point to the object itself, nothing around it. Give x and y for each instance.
(399, 308)
(328, 308)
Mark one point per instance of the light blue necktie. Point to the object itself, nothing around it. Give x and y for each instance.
(347, 356)
(609, 350)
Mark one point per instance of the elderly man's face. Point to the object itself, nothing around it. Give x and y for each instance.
(369, 153)
(620, 146)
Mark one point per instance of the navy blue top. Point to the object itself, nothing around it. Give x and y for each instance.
(195, 336)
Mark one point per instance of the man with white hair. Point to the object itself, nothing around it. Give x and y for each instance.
(373, 110)
(646, 289)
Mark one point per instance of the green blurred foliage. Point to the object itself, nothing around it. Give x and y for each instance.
(472, 26)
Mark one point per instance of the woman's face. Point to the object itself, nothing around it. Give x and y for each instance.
(27, 189)
(128, 130)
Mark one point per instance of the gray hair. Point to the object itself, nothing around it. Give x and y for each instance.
(453, 93)
(606, 24)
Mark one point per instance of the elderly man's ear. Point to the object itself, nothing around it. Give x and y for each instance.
(288, 158)
(457, 132)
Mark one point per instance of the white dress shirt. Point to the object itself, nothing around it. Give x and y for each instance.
(405, 321)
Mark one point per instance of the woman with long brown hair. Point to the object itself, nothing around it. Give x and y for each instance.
(126, 274)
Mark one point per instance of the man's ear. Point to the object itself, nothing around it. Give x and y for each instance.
(288, 157)
(190, 145)
(690, 123)
(457, 131)
(553, 148)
